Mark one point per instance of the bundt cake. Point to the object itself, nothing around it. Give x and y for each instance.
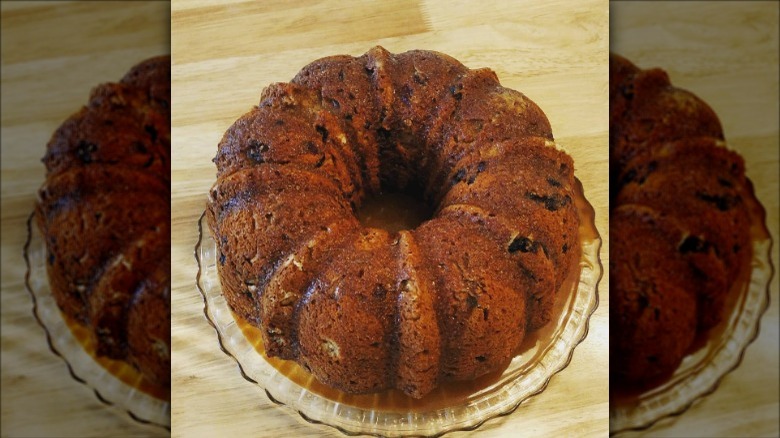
(364, 309)
(679, 227)
(104, 213)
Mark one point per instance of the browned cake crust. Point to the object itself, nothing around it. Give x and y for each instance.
(363, 309)
(678, 224)
(104, 212)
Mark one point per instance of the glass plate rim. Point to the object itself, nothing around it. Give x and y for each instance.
(752, 336)
(592, 306)
(105, 400)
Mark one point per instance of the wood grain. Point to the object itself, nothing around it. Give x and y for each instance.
(726, 53)
(226, 52)
(53, 54)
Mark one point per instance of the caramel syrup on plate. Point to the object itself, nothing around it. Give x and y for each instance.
(119, 369)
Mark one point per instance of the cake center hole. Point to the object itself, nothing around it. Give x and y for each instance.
(394, 212)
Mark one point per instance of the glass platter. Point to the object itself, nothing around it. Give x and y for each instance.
(114, 383)
(717, 353)
(451, 408)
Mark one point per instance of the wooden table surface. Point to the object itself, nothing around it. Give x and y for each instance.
(226, 52)
(727, 53)
(53, 54)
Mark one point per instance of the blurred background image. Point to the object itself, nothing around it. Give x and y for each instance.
(53, 55)
(726, 53)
